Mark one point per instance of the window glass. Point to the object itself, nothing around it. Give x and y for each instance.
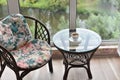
(102, 16)
(54, 13)
(3, 8)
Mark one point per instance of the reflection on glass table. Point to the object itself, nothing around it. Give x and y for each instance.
(77, 53)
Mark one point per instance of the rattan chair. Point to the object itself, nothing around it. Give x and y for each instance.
(21, 51)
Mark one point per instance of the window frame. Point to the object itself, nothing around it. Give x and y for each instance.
(13, 8)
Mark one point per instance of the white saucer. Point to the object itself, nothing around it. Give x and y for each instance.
(75, 42)
(78, 40)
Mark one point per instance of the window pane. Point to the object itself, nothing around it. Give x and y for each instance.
(54, 13)
(102, 16)
(3, 8)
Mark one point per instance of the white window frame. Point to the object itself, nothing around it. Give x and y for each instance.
(72, 17)
(13, 6)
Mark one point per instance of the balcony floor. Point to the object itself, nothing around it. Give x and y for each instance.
(105, 68)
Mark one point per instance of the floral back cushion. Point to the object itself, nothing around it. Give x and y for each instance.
(14, 32)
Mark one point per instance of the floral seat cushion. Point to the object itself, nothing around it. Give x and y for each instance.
(34, 53)
(16, 37)
(14, 32)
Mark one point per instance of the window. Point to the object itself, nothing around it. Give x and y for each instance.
(102, 16)
(54, 13)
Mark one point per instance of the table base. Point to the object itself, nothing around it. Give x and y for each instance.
(81, 60)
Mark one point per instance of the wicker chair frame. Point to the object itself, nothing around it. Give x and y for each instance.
(6, 59)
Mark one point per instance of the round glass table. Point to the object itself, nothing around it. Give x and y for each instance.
(77, 53)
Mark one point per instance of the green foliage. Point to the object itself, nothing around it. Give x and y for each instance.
(3, 2)
(86, 6)
(34, 3)
(32, 29)
(107, 26)
(45, 4)
(83, 11)
(63, 23)
(31, 1)
(57, 4)
(118, 4)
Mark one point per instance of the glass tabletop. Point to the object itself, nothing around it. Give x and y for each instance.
(88, 40)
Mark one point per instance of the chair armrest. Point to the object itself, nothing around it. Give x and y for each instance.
(40, 31)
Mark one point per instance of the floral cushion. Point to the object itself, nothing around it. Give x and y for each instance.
(16, 37)
(14, 32)
(6, 37)
(34, 53)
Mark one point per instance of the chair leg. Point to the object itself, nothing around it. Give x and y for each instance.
(18, 75)
(2, 67)
(50, 65)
